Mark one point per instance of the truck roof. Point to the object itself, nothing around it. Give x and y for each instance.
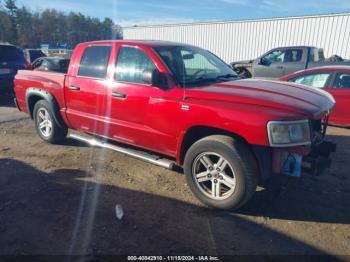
(143, 42)
(296, 46)
(6, 44)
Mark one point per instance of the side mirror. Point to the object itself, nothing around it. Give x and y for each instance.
(263, 61)
(188, 57)
(155, 78)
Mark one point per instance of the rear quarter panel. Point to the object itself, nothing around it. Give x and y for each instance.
(48, 81)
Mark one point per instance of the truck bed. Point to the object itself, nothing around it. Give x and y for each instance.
(50, 81)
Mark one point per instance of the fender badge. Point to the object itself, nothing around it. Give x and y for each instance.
(185, 107)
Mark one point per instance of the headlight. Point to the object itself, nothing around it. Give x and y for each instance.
(289, 133)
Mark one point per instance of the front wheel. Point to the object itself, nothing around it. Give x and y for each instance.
(221, 171)
(45, 124)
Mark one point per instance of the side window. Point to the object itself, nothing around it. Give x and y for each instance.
(293, 55)
(315, 80)
(94, 62)
(131, 63)
(342, 80)
(276, 56)
(44, 64)
(37, 63)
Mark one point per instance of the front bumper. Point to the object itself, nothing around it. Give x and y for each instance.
(294, 161)
(319, 158)
(312, 160)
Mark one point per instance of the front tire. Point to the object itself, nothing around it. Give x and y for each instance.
(45, 124)
(221, 171)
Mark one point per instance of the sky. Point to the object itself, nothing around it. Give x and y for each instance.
(146, 12)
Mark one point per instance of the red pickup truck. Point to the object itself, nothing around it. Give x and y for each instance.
(188, 108)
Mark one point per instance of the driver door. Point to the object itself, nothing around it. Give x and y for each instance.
(271, 65)
(138, 110)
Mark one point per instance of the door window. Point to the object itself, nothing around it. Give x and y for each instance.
(342, 80)
(276, 56)
(315, 80)
(45, 65)
(131, 63)
(293, 55)
(94, 62)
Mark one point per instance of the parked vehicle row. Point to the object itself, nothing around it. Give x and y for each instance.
(275, 63)
(281, 61)
(13, 58)
(305, 65)
(186, 106)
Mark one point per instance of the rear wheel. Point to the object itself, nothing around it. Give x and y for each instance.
(221, 171)
(45, 124)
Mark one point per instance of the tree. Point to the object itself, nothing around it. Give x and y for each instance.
(5, 27)
(28, 29)
(11, 9)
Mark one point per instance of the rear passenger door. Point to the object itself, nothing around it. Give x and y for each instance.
(294, 60)
(86, 91)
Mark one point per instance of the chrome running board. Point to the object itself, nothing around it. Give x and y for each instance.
(156, 160)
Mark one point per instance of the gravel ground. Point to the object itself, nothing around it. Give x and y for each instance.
(60, 199)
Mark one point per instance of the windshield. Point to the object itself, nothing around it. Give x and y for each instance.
(9, 53)
(194, 66)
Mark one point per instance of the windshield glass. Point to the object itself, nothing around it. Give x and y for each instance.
(9, 53)
(194, 66)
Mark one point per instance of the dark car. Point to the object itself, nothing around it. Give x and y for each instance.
(56, 64)
(32, 54)
(11, 59)
(333, 79)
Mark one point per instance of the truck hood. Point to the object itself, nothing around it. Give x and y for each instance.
(242, 62)
(294, 98)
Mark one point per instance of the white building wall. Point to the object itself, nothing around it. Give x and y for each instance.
(241, 40)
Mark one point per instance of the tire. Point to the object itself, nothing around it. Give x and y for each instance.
(49, 131)
(212, 187)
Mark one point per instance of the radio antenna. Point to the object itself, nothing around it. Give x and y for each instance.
(183, 79)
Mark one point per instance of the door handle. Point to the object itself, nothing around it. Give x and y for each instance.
(279, 67)
(74, 88)
(118, 95)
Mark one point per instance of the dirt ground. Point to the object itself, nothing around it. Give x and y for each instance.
(60, 199)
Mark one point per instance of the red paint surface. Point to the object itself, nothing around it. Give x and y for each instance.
(152, 118)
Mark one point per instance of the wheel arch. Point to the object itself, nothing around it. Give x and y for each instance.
(33, 95)
(262, 155)
(195, 133)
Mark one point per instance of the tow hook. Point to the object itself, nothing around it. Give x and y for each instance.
(318, 160)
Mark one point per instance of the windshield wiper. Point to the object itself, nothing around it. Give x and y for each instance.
(227, 76)
(203, 79)
(200, 79)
